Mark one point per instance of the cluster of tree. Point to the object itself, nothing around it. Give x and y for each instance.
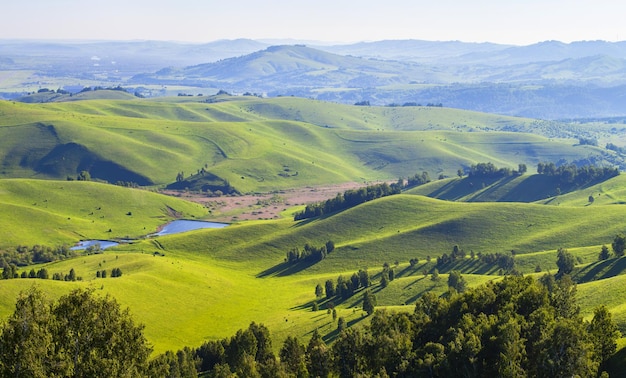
(79, 335)
(10, 272)
(115, 272)
(489, 170)
(344, 288)
(418, 179)
(348, 199)
(71, 276)
(573, 174)
(618, 246)
(310, 253)
(613, 147)
(504, 261)
(514, 327)
(24, 255)
(445, 259)
(587, 141)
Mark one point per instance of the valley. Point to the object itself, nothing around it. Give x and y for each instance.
(103, 168)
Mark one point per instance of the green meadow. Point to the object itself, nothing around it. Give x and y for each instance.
(263, 144)
(207, 284)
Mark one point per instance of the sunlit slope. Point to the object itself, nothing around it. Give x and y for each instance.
(64, 212)
(259, 144)
(402, 227)
(526, 188)
(209, 283)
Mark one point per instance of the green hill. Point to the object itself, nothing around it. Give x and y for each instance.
(207, 284)
(64, 212)
(536, 188)
(260, 144)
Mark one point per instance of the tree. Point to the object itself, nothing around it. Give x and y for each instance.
(318, 357)
(330, 289)
(456, 281)
(522, 168)
(605, 254)
(369, 302)
(604, 333)
(565, 262)
(26, 346)
(459, 173)
(81, 335)
(618, 245)
(591, 199)
(96, 338)
(292, 356)
(319, 291)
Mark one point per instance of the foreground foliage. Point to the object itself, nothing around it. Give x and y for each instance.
(80, 335)
(512, 328)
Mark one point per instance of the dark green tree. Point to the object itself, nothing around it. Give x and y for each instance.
(26, 345)
(318, 356)
(456, 281)
(319, 291)
(604, 334)
(565, 262)
(292, 357)
(619, 244)
(605, 254)
(330, 289)
(369, 302)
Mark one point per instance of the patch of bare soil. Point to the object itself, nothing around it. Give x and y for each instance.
(261, 206)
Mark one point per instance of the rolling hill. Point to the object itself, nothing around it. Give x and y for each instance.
(262, 144)
(207, 284)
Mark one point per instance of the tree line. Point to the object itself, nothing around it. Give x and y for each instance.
(24, 255)
(348, 199)
(573, 174)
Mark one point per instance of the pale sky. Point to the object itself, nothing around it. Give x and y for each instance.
(518, 22)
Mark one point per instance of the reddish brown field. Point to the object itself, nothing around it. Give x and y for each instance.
(262, 206)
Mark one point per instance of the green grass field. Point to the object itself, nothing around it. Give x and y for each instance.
(207, 284)
(261, 144)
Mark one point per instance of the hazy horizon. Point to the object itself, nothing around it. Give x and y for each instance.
(197, 21)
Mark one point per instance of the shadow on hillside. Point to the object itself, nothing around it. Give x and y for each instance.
(530, 189)
(285, 269)
(601, 270)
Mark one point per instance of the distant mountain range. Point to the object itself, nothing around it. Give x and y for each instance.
(546, 80)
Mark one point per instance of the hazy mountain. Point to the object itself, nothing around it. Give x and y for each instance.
(547, 80)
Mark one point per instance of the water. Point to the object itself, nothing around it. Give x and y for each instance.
(178, 226)
(174, 227)
(104, 244)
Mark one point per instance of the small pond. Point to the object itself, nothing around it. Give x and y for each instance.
(174, 227)
(181, 225)
(104, 244)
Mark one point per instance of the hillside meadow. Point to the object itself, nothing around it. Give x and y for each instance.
(207, 284)
(260, 145)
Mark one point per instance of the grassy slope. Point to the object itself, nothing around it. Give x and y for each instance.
(212, 282)
(251, 141)
(64, 212)
(525, 188)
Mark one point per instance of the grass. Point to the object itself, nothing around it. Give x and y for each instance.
(64, 212)
(250, 141)
(207, 284)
